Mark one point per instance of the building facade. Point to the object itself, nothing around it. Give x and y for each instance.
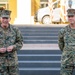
(23, 11)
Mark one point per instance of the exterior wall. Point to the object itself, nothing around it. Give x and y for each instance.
(3, 0)
(35, 5)
(13, 8)
(23, 12)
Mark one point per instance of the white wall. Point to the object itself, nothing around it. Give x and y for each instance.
(23, 12)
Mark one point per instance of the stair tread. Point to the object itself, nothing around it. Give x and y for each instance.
(39, 55)
(39, 69)
(39, 61)
(39, 42)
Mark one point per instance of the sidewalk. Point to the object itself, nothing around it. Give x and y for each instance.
(40, 47)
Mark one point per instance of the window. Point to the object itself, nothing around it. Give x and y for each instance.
(43, 3)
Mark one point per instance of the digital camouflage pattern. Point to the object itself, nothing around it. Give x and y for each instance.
(66, 42)
(11, 70)
(8, 37)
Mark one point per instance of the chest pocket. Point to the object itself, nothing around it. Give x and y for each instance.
(69, 37)
(11, 37)
(1, 37)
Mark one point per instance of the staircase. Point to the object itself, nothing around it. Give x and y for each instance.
(39, 61)
(40, 35)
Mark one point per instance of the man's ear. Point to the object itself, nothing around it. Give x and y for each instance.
(9, 19)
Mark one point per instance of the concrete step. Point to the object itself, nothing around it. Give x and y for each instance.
(41, 31)
(39, 34)
(39, 64)
(39, 57)
(38, 28)
(40, 37)
(41, 47)
(40, 41)
(39, 71)
(39, 51)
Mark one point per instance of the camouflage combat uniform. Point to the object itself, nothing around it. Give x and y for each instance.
(66, 42)
(9, 61)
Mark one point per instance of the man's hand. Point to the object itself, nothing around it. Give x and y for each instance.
(2, 50)
(10, 48)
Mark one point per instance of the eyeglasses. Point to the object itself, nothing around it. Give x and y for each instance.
(4, 17)
(70, 16)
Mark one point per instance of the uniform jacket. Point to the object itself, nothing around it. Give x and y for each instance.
(66, 38)
(8, 37)
(66, 42)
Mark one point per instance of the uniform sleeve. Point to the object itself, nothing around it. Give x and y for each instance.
(61, 39)
(19, 40)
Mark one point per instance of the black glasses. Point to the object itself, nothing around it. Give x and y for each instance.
(70, 16)
(4, 17)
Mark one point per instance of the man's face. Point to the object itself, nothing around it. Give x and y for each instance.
(5, 21)
(71, 19)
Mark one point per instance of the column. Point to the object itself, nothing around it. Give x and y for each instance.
(23, 12)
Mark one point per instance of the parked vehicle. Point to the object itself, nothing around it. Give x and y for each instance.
(57, 15)
(43, 16)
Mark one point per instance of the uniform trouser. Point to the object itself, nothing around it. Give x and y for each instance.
(10, 70)
(66, 71)
(67, 63)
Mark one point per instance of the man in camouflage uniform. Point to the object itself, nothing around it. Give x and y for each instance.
(66, 42)
(10, 42)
